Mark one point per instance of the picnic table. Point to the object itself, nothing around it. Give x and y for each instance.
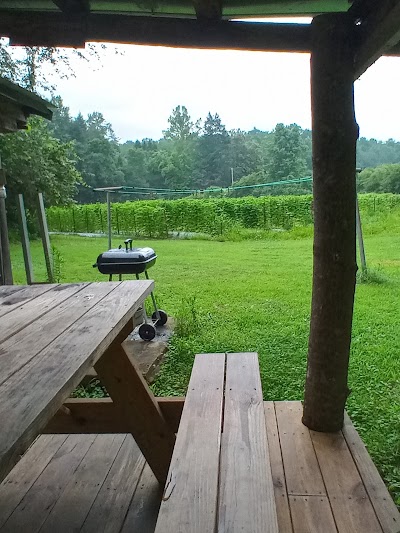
(50, 336)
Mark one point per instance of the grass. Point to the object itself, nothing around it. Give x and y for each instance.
(254, 295)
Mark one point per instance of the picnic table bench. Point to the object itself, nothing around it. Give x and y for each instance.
(220, 475)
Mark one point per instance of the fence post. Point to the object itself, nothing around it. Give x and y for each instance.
(44, 231)
(87, 219)
(26, 250)
(73, 221)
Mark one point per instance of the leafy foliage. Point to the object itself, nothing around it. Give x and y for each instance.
(35, 161)
(384, 178)
(215, 216)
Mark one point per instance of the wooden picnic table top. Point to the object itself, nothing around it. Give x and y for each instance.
(50, 335)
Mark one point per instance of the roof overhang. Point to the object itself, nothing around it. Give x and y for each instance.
(17, 104)
(199, 24)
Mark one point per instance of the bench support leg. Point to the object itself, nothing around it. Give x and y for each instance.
(138, 407)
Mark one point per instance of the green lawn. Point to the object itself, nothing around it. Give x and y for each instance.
(255, 296)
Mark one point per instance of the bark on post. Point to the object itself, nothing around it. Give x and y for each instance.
(335, 133)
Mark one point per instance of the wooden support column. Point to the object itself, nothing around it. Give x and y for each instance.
(335, 133)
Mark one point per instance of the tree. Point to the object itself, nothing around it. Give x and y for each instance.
(287, 153)
(213, 153)
(181, 126)
(26, 65)
(385, 178)
(35, 161)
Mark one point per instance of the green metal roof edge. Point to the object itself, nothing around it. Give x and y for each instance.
(230, 8)
(33, 103)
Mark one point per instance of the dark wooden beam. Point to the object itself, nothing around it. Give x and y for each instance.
(57, 29)
(98, 415)
(208, 9)
(378, 32)
(334, 140)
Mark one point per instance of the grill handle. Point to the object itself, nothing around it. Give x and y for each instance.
(128, 242)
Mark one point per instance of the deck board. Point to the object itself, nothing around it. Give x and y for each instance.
(43, 470)
(350, 503)
(38, 502)
(302, 472)
(278, 474)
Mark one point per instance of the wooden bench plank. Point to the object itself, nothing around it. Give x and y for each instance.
(246, 496)
(278, 475)
(311, 514)
(302, 472)
(351, 507)
(385, 509)
(31, 396)
(189, 503)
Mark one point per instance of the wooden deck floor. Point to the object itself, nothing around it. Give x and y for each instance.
(101, 483)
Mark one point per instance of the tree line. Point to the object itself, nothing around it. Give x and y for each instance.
(71, 155)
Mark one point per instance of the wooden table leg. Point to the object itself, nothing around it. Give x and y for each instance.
(137, 405)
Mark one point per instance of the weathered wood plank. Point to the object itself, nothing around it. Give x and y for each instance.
(189, 503)
(246, 494)
(25, 473)
(278, 475)
(136, 404)
(8, 290)
(37, 504)
(385, 509)
(30, 397)
(143, 510)
(99, 415)
(351, 507)
(108, 511)
(24, 315)
(24, 346)
(311, 514)
(302, 472)
(84, 486)
(14, 297)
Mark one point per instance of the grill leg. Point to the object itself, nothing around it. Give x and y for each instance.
(153, 299)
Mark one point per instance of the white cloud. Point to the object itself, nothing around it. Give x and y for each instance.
(137, 91)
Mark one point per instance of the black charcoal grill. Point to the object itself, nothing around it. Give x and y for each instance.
(120, 261)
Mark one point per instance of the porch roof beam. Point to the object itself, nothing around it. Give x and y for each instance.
(58, 29)
(378, 32)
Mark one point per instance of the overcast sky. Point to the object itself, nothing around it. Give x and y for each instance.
(137, 91)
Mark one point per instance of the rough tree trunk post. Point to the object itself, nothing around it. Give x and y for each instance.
(335, 133)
